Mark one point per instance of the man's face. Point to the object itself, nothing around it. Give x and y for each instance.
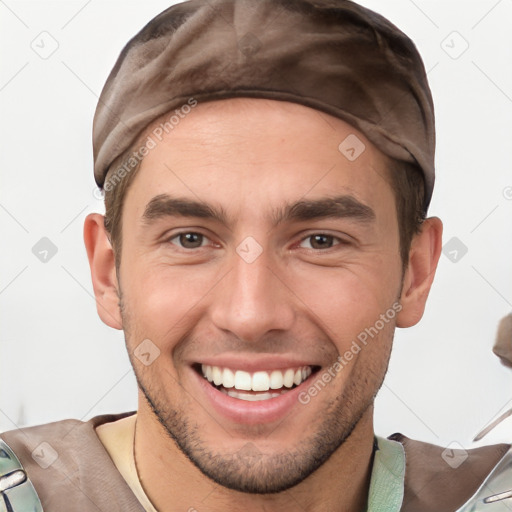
(251, 244)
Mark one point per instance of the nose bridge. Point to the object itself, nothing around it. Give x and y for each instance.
(252, 300)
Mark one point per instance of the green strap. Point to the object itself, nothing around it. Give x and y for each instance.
(17, 494)
(388, 474)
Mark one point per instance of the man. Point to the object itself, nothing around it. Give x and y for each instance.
(267, 169)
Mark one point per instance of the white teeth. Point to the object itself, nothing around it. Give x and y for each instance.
(306, 372)
(242, 380)
(217, 375)
(207, 372)
(228, 378)
(258, 381)
(276, 380)
(251, 397)
(288, 378)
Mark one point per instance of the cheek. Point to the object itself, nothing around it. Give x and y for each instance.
(161, 300)
(347, 300)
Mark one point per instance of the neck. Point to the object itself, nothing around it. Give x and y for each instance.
(173, 483)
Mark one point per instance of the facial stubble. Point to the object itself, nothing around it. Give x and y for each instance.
(248, 469)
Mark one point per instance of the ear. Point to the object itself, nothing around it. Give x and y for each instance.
(423, 258)
(103, 270)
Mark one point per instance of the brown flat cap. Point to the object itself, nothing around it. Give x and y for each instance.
(331, 55)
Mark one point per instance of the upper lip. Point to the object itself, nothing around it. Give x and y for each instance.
(257, 362)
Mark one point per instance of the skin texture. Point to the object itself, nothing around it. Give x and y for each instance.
(299, 300)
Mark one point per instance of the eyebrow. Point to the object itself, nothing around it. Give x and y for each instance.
(345, 206)
(167, 206)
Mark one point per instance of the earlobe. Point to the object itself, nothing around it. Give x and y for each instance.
(103, 270)
(423, 259)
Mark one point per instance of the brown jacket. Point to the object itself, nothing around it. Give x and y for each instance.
(81, 477)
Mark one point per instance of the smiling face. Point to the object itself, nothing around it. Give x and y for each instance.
(255, 257)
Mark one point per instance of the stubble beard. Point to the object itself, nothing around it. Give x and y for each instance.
(248, 470)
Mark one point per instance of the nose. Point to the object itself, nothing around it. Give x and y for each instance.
(252, 300)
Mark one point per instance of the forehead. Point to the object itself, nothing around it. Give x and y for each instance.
(251, 152)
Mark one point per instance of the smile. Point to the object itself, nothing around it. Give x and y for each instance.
(256, 386)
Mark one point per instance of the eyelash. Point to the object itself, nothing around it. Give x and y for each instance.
(336, 240)
(183, 233)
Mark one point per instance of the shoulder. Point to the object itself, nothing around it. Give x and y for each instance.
(438, 478)
(69, 467)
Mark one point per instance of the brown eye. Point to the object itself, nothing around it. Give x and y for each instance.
(319, 241)
(189, 240)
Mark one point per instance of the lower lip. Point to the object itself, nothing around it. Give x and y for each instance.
(251, 413)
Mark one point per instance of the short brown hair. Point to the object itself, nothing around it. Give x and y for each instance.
(406, 180)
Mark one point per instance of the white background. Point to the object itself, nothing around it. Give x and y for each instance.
(59, 361)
